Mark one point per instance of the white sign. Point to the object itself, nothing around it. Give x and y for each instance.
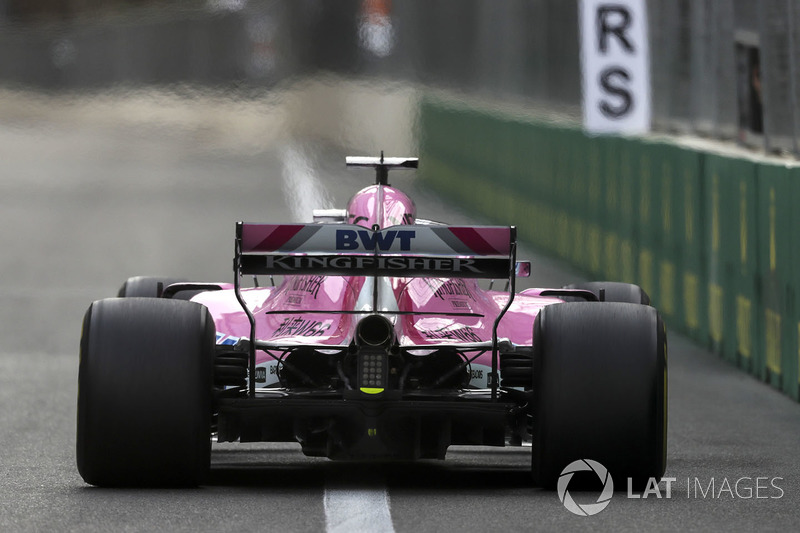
(615, 62)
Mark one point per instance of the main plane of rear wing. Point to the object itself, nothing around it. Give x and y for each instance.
(399, 251)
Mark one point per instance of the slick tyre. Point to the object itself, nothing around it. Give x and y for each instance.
(144, 393)
(149, 287)
(615, 291)
(599, 391)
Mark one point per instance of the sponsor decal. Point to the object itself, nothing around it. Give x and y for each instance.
(291, 327)
(289, 263)
(225, 340)
(460, 304)
(309, 284)
(364, 240)
(460, 334)
(294, 300)
(267, 372)
(453, 287)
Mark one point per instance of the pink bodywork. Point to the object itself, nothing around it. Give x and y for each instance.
(383, 206)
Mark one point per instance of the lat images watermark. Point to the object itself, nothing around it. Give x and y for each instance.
(742, 488)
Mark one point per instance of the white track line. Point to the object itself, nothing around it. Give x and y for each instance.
(348, 508)
(354, 509)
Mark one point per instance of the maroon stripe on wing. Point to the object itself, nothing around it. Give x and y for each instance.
(267, 237)
(477, 241)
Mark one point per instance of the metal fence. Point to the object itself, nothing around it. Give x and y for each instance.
(527, 48)
(720, 68)
(728, 69)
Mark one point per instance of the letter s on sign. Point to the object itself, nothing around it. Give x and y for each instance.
(610, 81)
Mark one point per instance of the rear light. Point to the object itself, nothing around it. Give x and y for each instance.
(373, 371)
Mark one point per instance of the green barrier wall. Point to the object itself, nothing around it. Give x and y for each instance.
(730, 231)
(776, 235)
(710, 237)
(793, 385)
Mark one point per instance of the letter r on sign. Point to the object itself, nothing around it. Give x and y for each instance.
(613, 19)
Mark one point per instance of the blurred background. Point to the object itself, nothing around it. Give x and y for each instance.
(724, 69)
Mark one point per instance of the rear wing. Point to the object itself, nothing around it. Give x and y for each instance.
(487, 252)
(398, 251)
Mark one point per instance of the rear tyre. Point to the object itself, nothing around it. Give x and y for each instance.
(599, 385)
(615, 291)
(144, 393)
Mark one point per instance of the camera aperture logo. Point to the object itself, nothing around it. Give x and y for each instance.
(586, 509)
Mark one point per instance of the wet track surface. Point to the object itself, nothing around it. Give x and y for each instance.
(84, 207)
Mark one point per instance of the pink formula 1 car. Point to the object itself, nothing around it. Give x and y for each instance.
(379, 342)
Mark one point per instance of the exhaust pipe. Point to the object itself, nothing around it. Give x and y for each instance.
(375, 330)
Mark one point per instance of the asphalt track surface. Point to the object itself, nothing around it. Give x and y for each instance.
(84, 206)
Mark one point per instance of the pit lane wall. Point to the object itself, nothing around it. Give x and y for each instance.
(713, 238)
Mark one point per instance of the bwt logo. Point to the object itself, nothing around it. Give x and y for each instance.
(349, 239)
